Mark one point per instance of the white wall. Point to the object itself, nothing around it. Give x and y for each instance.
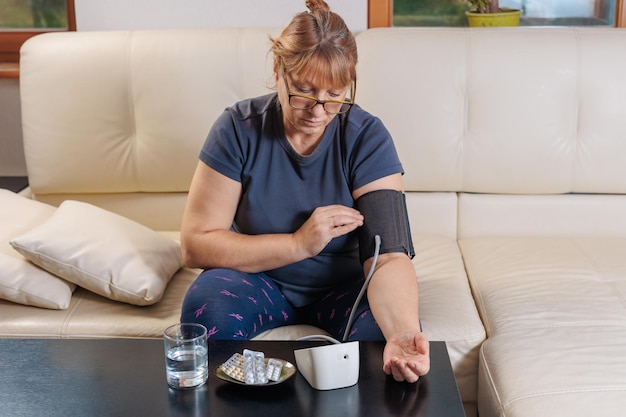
(180, 14)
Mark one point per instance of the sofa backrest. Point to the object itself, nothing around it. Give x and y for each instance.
(118, 118)
(537, 112)
(508, 110)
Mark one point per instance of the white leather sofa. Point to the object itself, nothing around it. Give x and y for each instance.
(513, 141)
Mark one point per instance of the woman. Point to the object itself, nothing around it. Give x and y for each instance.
(270, 215)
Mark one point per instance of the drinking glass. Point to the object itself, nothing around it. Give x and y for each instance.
(186, 355)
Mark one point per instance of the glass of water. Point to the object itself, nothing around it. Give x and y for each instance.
(186, 355)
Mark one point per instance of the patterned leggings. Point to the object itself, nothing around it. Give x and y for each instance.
(237, 305)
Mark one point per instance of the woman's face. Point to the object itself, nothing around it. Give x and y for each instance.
(312, 122)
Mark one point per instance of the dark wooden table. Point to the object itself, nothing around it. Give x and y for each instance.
(124, 377)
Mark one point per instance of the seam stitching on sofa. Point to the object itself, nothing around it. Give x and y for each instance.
(78, 294)
(488, 375)
(602, 273)
(479, 302)
(133, 136)
(608, 388)
(576, 127)
(466, 77)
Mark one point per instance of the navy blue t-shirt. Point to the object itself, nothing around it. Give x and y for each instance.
(281, 188)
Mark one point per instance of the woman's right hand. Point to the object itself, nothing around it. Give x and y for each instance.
(325, 224)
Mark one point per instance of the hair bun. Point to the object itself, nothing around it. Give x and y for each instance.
(314, 5)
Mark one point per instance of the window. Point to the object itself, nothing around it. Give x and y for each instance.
(22, 19)
(536, 12)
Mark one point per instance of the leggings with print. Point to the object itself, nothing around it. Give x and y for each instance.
(238, 305)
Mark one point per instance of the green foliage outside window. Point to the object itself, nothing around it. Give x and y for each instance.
(429, 12)
(33, 14)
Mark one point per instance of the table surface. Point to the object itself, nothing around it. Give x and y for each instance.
(126, 377)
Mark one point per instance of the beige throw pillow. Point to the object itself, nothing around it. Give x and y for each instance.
(21, 281)
(103, 252)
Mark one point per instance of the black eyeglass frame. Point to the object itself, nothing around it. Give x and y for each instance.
(314, 100)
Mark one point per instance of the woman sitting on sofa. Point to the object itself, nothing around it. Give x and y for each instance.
(272, 212)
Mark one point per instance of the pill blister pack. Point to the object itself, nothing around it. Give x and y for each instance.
(252, 368)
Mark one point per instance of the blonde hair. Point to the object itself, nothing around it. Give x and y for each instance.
(317, 43)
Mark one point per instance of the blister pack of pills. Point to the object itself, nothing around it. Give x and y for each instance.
(233, 367)
(252, 368)
(274, 369)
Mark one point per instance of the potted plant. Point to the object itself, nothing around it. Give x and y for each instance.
(488, 13)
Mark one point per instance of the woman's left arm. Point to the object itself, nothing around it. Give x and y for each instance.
(393, 298)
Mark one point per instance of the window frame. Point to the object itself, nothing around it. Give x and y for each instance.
(11, 40)
(380, 13)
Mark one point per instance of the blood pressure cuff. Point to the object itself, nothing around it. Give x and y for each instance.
(385, 214)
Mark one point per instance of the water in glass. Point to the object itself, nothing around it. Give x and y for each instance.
(186, 366)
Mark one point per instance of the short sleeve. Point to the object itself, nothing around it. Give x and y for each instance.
(222, 149)
(374, 154)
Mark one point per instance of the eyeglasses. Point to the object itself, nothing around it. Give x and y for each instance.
(302, 102)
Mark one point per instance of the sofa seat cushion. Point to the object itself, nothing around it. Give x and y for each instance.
(535, 283)
(555, 314)
(554, 371)
(20, 280)
(92, 316)
(103, 252)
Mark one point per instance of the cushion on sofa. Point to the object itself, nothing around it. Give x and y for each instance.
(524, 283)
(558, 372)
(554, 309)
(103, 252)
(21, 281)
